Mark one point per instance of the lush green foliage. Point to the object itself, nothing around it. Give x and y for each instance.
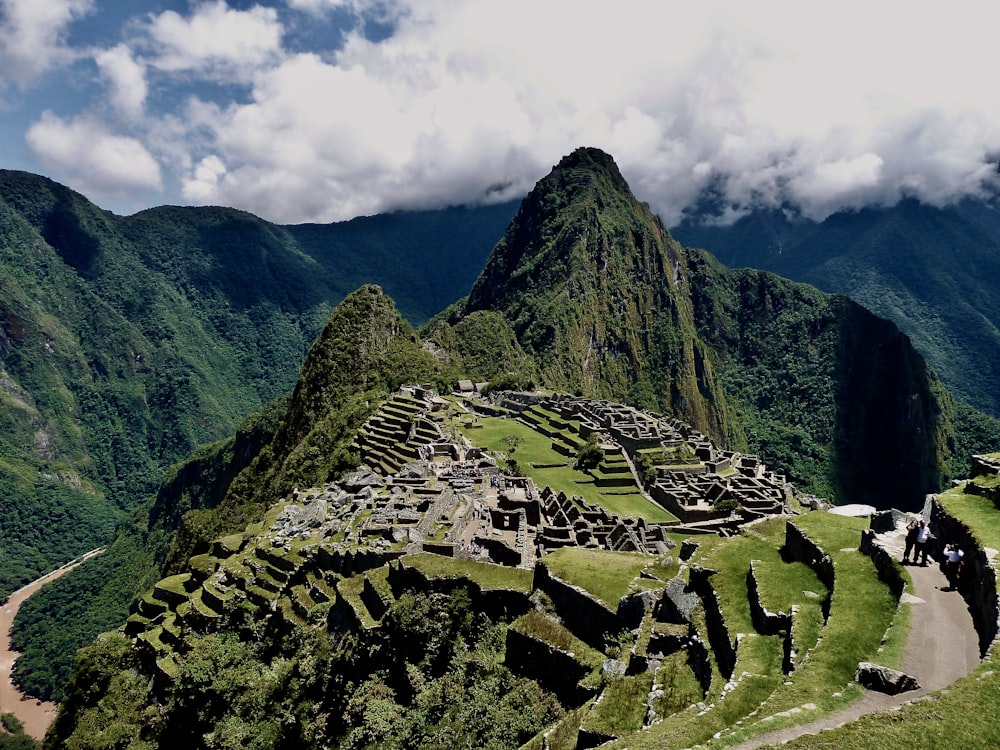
(127, 342)
(932, 271)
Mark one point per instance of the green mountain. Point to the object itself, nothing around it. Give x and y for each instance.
(125, 342)
(293, 613)
(608, 304)
(586, 292)
(128, 342)
(932, 271)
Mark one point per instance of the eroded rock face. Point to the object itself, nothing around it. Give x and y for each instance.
(884, 679)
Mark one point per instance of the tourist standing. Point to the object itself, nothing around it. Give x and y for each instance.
(923, 541)
(953, 565)
(911, 538)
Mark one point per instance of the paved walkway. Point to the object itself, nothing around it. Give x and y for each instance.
(36, 715)
(942, 647)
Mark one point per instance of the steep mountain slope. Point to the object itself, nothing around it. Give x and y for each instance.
(933, 271)
(596, 290)
(610, 304)
(125, 342)
(589, 286)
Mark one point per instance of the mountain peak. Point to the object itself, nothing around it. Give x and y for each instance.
(588, 167)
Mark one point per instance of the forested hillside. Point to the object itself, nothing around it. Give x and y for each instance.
(935, 272)
(586, 292)
(128, 342)
(125, 342)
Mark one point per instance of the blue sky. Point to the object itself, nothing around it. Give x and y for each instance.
(321, 110)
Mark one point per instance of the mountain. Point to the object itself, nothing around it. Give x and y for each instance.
(275, 628)
(586, 291)
(125, 342)
(128, 342)
(933, 271)
(608, 304)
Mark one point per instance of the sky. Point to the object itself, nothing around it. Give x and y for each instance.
(323, 110)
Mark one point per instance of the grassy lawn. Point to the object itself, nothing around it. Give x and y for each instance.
(978, 513)
(488, 576)
(608, 576)
(862, 609)
(548, 468)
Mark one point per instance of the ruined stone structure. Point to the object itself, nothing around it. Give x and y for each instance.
(423, 486)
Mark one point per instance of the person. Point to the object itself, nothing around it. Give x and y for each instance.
(911, 538)
(923, 542)
(953, 565)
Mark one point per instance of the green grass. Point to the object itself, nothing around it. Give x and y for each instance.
(978, 513)
(546, 628)
(535, 450)
(622, 708)
(488, 576)
(608, 576)
(961, 716)
(862, 609)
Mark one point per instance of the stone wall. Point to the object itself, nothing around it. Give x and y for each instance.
(978, 580)
(723, 645)
(589, 619)
(887, 566)
(553, 668)
(801, 548)
(766, 622)
(498, 604)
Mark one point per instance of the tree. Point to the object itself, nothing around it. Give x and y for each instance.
(590, 455)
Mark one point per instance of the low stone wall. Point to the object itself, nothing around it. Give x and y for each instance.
(373, 600)
(978, 580)
(887, 566)
(766, 622)
(589, 619)
(801, 548)
(723, 645)
(553, 668)
(349, 563)
(498, 604)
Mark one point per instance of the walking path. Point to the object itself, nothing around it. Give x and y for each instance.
(36, 715)
(942, 647)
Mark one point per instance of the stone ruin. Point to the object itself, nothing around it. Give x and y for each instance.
(423, 487)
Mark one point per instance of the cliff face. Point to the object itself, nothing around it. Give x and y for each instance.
(597, 291)
(610, 305)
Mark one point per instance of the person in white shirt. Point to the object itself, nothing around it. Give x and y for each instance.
(923, 542)
(953, 564)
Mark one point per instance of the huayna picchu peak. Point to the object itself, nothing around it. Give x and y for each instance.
(585, 504)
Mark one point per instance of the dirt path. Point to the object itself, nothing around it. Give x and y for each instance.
(942, 647)
(36, 715)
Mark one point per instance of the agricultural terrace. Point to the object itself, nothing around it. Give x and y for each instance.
(536, 458)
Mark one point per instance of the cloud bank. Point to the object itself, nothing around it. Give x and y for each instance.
(456, 101)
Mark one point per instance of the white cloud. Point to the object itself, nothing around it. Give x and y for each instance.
(127, 78)
(32, 37)
(455, 100)
(84, 153)
(216, 40)
(204, 181)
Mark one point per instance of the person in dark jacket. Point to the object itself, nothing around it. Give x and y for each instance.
(911, 539)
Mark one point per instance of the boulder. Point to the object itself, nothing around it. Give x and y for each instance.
(678, 602)
(883, 679)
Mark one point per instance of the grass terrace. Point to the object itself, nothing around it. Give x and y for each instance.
(488, 576)
(961, 716)
(608, 576)
(548, 468)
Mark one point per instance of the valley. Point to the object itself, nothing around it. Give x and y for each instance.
(599, 517)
